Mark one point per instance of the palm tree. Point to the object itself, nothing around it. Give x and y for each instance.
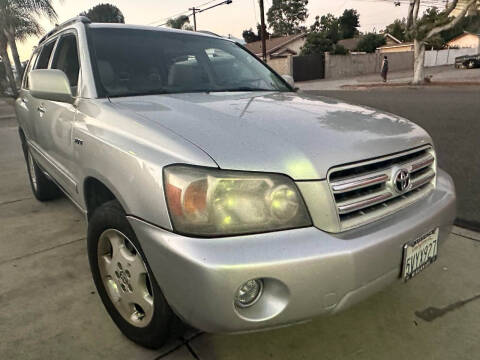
(6, 63)
(17, 21)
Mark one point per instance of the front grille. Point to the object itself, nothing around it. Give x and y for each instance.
(367, 191)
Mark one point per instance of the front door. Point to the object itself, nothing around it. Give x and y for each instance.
(56, 118)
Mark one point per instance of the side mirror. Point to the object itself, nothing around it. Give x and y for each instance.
(50, 85)
(289, 80)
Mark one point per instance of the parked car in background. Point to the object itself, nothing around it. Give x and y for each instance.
(467, 62)
(215, 193)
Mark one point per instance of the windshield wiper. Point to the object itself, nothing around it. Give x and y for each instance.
(142, 93)
(242, 88)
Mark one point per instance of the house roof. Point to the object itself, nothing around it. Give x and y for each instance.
(272, 44)
(409, 44)
(350, 44)
(392, 38)
(466, 33)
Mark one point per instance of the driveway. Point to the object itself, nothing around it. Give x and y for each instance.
(50, 309)
(451, 116)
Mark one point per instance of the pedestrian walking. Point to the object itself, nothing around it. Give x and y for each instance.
(385, 69)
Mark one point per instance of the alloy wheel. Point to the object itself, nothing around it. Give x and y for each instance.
(125, 277)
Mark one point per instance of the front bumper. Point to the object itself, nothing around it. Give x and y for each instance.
(306, 272)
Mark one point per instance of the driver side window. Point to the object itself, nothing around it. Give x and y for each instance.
(66, 59)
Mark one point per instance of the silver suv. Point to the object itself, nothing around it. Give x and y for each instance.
(214, 192)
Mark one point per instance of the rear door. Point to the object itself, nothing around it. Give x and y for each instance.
(25, 113)
(35, 109)
(55, 135)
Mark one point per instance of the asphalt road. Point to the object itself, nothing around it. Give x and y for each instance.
(452, 116)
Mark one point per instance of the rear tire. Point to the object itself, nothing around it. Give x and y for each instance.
(117, 261)
(42, 187)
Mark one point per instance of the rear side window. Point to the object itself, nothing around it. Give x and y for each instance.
(31, 64)
(66, 59)
(44, 57)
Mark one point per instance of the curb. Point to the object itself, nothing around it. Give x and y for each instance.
(409, 84)
(468, 224)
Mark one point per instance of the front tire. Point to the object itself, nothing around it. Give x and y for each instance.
(124, 280)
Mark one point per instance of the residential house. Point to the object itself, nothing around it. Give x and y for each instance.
(466, 40)
(279, 46)
(394, 45)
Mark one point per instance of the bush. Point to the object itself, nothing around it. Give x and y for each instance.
(316, 43)
(370, 42)
(340, 50)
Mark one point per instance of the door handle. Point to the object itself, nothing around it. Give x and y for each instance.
(41, 109)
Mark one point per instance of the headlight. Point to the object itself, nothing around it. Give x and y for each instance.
(211, 202)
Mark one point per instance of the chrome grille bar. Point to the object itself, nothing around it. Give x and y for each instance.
(423, 163)
(369, 190)
(423, 179)
(358, 183)
(345, 207)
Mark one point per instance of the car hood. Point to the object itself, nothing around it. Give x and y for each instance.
(295, 134)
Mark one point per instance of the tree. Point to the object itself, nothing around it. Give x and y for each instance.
(181, 22)
(7, 63)
(250, 36)
(316, 43)
(370, 42)
(285, 16)
(328, 25)
(17, 21)
(104, 13)
(398, 29)
(3, 78)
(429, 26)
(349, 23)
(259, 32)
(340, 50)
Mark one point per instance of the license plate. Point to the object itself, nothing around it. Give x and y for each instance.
(418, 254)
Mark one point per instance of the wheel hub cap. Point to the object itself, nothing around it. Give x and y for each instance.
(125, 278)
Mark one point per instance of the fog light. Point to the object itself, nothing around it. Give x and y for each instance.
(249, 293)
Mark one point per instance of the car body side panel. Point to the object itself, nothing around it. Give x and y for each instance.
(128, 157)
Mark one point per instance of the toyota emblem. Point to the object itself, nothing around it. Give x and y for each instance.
(402, 181)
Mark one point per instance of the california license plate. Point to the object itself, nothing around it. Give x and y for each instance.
(418, 254)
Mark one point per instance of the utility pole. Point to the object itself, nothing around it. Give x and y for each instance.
(194, 11)
(263, 31)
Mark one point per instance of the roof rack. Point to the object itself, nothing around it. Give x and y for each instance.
(78, 19)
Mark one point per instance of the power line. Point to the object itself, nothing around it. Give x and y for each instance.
(196, 10)
(180, 13)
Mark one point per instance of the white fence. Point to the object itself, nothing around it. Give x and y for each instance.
(446, 57)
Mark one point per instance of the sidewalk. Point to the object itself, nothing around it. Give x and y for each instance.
(439, 74)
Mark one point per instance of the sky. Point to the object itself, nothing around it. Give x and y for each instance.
(226, 19)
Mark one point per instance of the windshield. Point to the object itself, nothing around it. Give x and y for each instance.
(133, 62)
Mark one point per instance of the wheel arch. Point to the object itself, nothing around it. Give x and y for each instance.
(97, 191)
